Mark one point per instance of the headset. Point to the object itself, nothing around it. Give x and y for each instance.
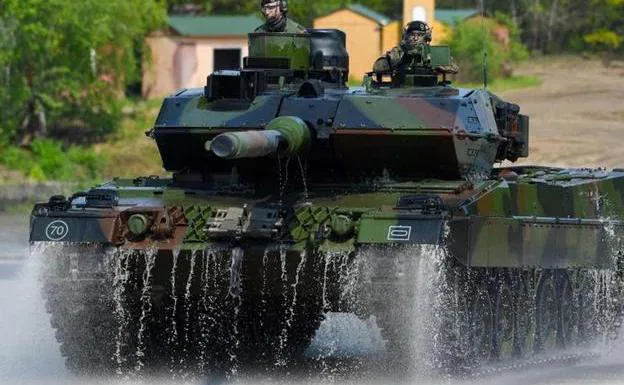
(418, 26)
(283, 4)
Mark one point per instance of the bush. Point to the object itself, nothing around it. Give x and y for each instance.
(471, 40)
(47, 159)
(64, 65)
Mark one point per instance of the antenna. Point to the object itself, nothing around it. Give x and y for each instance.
(485, 54)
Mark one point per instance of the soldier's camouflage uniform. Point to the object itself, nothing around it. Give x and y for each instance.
(289, 27)
(393, 60)
(398, 58)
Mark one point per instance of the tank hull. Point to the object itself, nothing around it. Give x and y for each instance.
(503, 269)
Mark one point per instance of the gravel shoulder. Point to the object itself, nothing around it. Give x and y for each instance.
(577, 114)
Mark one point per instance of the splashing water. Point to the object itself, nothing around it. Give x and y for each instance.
(203, 316)
(345, 271)
(283, 175)
(304, 178)
(413, 282)
(28, 351)
(264, 290)
(120, 283)
(283, 339)
(235, 291)
(403, 288)
(172, 331)
(146, 308)
(208, 317)
(188, 302)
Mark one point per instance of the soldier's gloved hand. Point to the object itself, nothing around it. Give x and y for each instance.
(417, 52)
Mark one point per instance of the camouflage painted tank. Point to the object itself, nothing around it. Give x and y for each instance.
(293, 195)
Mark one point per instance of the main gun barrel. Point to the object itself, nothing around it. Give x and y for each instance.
(286, 135)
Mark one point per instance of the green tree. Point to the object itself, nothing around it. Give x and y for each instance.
(302, 11)
(474, 47)
(65, 62)
(607, 30)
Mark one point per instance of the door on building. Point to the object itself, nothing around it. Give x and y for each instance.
(227, 59)
(185, 64)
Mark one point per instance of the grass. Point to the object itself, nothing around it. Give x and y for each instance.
(17, 208)
(129, 153)
(498, 85)
(507, 84)
(354, 82)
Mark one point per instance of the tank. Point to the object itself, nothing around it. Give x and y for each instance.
(292, 196)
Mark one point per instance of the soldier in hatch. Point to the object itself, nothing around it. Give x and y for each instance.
(412, 52)
(276, 15)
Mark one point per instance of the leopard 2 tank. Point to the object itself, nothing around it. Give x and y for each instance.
(293, 195)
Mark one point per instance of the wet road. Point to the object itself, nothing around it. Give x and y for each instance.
(28, 351)
(30, 355)
(13, 240)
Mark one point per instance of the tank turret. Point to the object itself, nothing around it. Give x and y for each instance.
(414, 126)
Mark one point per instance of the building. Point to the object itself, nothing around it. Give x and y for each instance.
(182, 55)
(370, 34)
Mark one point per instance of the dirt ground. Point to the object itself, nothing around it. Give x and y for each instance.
(577, 114)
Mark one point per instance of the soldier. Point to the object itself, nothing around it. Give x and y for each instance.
(276, 14)
(411, 51)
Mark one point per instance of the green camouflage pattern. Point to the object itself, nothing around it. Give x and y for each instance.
(294, 46)
(546, 218)
(291, 27)
(423, 55)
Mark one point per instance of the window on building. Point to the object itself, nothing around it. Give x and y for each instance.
(419, 13)
(227, 59)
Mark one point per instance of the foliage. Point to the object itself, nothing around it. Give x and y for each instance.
(551, 26)
(546, 26)
(607, 30)
(474, 45)
(517, 50)
(507, 84)
(46, 159)
(129, 152)
(67, 62)
(303, 11)
(603, 38)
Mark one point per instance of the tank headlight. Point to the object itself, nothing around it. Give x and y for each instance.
(138, 224)
(341, 225)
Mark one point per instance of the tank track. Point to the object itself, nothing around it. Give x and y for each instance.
(206, 312)
(470, 321)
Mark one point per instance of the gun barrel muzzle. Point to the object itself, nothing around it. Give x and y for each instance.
(283, 135)
(246, 144)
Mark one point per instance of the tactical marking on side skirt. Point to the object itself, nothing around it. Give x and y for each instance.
(57, 230)
(399, 233)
